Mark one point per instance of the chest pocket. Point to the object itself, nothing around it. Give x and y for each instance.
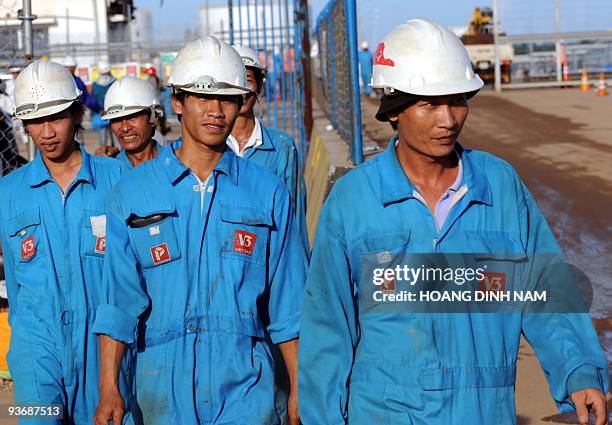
(93, 236)
(154, 236)
(245, 233)
(25, 235)
(502, 256)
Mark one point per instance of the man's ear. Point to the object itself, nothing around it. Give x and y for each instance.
(177, 105)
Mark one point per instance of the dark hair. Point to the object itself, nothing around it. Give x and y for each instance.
(77, 110)
(259, 78)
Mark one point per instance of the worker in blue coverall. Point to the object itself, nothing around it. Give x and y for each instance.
(275, 151)
(133, 108)
(365, 68)
(203, 259)
(53, 228)
(428, 194)
(270, 148)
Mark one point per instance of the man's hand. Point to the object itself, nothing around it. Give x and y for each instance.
(109, 151)
(292, 408)
(594, 399)
(110, 407)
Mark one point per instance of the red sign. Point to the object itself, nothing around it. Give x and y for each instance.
(100, 245)
(160, 254)
(244, 242)
(493, 282)
(379, 57)
(28, 248)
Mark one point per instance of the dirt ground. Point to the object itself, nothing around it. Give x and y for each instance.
(560, 142)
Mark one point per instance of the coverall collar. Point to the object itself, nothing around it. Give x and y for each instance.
(267, 144)
(40, 173)
(176, 170)
(395, 185)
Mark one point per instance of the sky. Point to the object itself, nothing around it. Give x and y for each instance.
(378, 17)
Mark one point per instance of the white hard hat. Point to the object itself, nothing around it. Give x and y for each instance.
(43, 88)
(250, 58)
(70, 61)
(209, 65)
(103, 67)
(423, 58)
(128, 96)
(365, 45)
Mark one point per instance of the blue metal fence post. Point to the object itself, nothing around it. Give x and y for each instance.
(230, 9)
(240, 20)
(351, 24)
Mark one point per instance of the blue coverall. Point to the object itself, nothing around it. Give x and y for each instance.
(197, 287)
(365, 68)
(278, 154)
(122, 156)
(87, 98)
(53, 245)
(423, 368)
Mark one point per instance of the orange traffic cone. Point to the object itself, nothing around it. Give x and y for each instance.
(602, 89)
(584, 81)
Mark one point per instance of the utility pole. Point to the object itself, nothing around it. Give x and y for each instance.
(67, 28)
(97, 30)
(25, 15)
(207, 5)
(558, 43)
(496, 45)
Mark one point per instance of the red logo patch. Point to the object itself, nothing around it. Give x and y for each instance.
(388, 285)
(28, 248)
(100, 245)
(379, 57)
(244, 242)
(493, 282)
(160, 253)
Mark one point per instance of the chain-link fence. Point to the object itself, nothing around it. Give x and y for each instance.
(336, 71)
(277, 31)
(556, 42)
(13, 140)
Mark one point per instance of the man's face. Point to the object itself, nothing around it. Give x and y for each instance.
(53, 135)
(133, 131)
(251, 98)
(208, 119)
(71, 69)
(432, 125)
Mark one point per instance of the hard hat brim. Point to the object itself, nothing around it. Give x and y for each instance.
(235, 91)
(438, 89)
(44, 112)
(121, 113)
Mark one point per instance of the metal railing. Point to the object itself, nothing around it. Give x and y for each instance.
(278, 31)
(337, 72)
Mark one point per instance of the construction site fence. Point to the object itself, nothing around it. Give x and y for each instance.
(336, 72)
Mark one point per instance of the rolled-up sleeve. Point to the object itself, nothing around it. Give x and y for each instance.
(287, 273)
